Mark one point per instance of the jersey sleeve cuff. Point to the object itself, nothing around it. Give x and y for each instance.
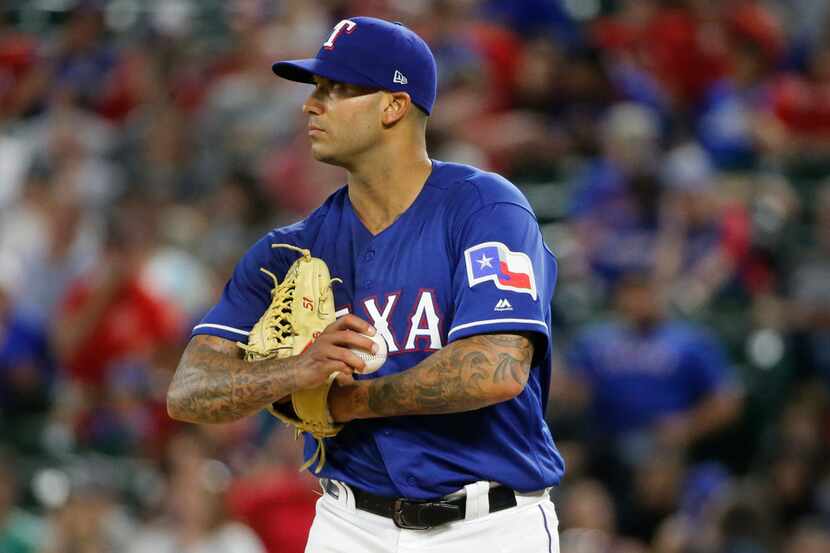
(472, 328)
(222, 331)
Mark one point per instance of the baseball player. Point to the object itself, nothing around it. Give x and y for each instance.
(445, 448)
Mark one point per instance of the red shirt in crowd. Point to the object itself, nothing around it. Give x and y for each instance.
(133, 323)
(279, 506)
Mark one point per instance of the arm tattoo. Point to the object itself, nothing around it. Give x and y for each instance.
(214, 384)
(466, 375)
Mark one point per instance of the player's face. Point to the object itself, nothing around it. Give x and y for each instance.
(639, 303)
(343, 120)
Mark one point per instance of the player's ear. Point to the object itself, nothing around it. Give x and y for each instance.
(395, 107)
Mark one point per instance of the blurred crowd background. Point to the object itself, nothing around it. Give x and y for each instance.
(677, 153)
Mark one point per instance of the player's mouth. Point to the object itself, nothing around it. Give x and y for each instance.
(313, 129)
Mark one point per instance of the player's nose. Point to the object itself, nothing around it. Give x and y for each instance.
(312, 106)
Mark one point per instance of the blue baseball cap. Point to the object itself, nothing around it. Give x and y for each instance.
(374, 53)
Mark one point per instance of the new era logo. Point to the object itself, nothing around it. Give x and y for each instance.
(503, 305)
(399, 78)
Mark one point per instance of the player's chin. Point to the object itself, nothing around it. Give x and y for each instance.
(324, 155)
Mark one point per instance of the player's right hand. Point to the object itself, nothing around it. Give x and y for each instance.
(330, 352)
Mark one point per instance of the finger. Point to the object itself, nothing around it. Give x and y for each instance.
(344, 379)
(337, 366)
(352, 322)
(350, 339)
(343, 355)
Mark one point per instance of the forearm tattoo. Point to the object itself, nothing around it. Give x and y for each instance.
(214, 384)
(466, 375)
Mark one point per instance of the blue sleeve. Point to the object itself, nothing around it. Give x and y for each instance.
(707, 366)
(504, 274)
(247, 293)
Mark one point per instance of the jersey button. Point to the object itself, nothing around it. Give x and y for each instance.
(369, 255)
(368, 284)
(411, 480)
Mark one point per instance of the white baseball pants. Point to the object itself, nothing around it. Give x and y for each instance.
(529, 527)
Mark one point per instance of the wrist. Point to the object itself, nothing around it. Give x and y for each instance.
(347, 403)
(284, 377)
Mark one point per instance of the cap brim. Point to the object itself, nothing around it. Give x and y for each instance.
(303, 71)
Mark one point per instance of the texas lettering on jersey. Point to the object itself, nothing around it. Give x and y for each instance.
(424, 325)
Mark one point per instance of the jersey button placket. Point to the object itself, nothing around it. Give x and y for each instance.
(368, 256)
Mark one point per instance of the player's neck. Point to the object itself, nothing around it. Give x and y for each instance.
(380, 191)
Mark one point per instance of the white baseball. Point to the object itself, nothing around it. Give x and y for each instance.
(373, 360)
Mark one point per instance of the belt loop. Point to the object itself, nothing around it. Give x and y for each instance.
(350, 501)
(339, 492)
(478, 500)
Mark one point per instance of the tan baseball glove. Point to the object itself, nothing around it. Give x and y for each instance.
(302, 306)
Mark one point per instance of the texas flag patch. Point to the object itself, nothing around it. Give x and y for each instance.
(493, 261)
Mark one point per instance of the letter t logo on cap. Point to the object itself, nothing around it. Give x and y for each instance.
(348, 24)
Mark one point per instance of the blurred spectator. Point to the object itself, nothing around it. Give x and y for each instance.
(654, 492)
(109, 315)
(196, 521)
(83, 57)
(729, 117)
(111, 326)
(644, 372)
(773, 207)
(690, 56)
(810, 292)
(477, 64)
(19, 81)
(91, 521)
(572, 90)
(800, 124)
(274, 499)
(705, 491)
(20, 532)
(653, 387)
(588, 521)
(809, 538)
(63, 248)
(702, 239)
(247, 110)
(791, 463)
(535, 17)
(27, 367)
(615, 203)
(83, 505)
(744, 525)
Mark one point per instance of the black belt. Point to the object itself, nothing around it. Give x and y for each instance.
(421, 515)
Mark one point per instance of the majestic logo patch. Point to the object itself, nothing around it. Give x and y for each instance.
(503, 305)
(493, 261)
